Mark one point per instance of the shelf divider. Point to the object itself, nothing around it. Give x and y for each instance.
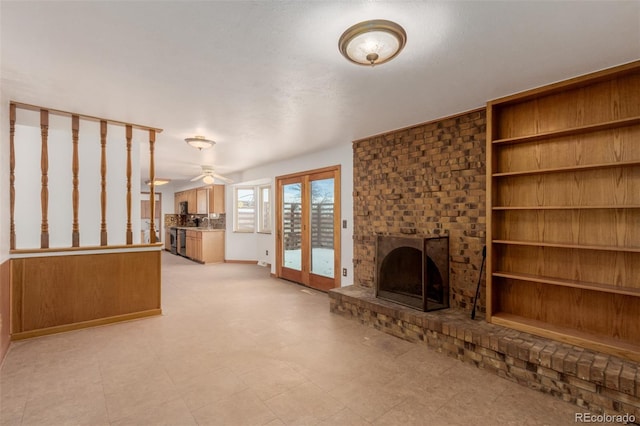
(568, 246)
(570, 168)
(570, 131)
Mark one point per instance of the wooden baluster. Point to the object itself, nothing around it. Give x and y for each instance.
(44, 166)
(103, 182)
(152, 186)
(129, 230)
(12, 176)
(75, 168)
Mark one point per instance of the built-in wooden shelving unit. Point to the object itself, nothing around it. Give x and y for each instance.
(563, 211)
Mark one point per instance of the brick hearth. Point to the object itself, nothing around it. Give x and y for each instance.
(592, 380)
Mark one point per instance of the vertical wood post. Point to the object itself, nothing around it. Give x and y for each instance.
(12, 176)
(44, 167)
(129, 132)
(152, 186)
(75, 194)
(103, 182)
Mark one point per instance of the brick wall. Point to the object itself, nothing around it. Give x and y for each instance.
(426, 179)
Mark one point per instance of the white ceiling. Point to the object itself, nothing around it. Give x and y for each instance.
(265, 79)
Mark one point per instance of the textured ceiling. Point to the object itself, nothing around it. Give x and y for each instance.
(265, 79)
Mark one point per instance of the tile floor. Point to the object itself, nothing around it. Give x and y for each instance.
(236, 347)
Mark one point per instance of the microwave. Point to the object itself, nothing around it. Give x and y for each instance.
(183, 207)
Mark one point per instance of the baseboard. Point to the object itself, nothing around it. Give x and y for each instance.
(246, 262)
(85, 324)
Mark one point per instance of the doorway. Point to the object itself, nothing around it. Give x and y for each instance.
(308, 234)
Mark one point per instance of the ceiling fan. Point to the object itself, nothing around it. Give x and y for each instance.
(208, 174)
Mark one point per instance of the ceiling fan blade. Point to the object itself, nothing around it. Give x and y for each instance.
(223, 178)
(198, 177)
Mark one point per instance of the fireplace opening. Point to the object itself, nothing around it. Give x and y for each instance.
(413, 271)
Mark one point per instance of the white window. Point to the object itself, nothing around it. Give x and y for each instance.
(264, 209)
(244, 209)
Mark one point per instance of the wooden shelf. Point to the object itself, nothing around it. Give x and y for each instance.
(568, 283)
(571, 131)
(609, 207)
(593, 341)
(569, 168)
(568, 246)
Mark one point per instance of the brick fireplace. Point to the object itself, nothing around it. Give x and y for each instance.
(426, 180)
(429, 180)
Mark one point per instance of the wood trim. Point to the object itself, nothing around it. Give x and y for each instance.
(152, 189)
(12, 176)
(128, 136)
(246, 262)
(572, 83)
(30, 107)
(44, 167)
(85, 324)
(5, 308)
(309, 172)
(103, 183)
(75, 168)
(81, 249)
(570, 336)
(490, 134)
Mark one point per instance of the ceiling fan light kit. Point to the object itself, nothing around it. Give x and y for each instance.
(372, 42)
(200, 142)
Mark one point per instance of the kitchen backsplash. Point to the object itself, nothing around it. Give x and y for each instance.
(195, 220)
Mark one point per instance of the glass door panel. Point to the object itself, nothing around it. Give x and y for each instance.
(321, 218)
(292, 225)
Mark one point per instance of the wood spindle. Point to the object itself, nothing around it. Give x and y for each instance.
(44, 166)
(103, 182)
(129, 132)
(75, 168)
(12, 177)
(152, 186)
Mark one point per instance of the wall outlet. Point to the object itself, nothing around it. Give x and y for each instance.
(344, 224)
(266, 252)
(344, 272)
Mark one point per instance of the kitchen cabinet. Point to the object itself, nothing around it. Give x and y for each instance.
(205, 246)
(202, 200)
(190, 197)
(145, 209)
(216, 199)
(167, 240)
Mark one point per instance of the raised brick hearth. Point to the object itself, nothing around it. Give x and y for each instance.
(595, 381)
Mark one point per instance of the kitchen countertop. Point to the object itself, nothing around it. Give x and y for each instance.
(194, 228)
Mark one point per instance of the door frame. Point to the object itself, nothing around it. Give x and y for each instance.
(306, 277)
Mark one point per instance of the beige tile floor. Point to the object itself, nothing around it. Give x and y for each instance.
(236, 347)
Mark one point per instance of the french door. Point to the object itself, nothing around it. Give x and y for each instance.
(308, 234)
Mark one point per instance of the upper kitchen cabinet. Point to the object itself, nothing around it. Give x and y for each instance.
(202, 200)
(216, 199)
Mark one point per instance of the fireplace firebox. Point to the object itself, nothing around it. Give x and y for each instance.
(413, 271)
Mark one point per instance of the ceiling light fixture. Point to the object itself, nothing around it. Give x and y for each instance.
(200, 142)
(372, 42)
(208, 179)
(158, 182)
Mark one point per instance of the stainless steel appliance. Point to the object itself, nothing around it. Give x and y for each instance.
(173, 234)
(182, 242)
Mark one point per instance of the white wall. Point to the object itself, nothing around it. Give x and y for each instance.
(28, 212)
(243, 246)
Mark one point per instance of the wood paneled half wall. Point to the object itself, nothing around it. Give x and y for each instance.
(76, 289)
